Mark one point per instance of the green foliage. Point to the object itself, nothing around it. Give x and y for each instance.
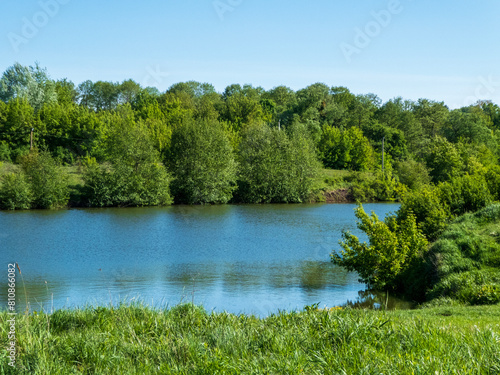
(492, 177)
(40, 183)
(471, 127)
(122, 185)
(202, 161)
(66, 92)
(30, 83)
(393, 248)
(276, 166)
(99, 95)
(432, 217)
(412, 174)
(15, 192)
(372, 187)
(47, 180)
(135, 176)
(465, 194)
(432, 116)
(345, 149)
(443, 160)
(17, 119)
(394, 139)
(5, 151)
(473, 287)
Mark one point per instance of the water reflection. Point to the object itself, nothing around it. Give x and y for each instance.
(379, 300)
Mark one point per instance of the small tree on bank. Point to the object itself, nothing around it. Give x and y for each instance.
(392, 249)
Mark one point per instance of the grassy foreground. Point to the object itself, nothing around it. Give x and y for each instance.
(134, 339)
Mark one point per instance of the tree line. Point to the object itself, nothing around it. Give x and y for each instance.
(191, 144)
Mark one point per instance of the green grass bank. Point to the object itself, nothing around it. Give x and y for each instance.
(134, 339)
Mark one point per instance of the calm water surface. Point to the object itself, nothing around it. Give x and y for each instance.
(254, 259)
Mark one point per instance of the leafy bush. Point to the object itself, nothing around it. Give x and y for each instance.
(275, 166)
(486, 215)
(443, 160)
(393, 248)
(133, 175)
(345, 149)
(372, 187)
(122, 185)
(412, 174)
(465, 194)
(5, 151)
(448, 259)
(48, 181)
(492, 178)
(15, 192)
(432, 217)
(202, 162)
(40, 184)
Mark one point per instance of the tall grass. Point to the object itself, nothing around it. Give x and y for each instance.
(134, 339)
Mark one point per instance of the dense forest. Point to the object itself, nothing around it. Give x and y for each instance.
(136, 146)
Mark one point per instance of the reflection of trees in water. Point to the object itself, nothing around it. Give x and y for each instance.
(376, 300)
(307, 275)
(319, 275)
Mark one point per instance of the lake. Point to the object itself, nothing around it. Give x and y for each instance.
(253, 259)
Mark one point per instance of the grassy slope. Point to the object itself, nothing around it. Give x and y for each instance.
(467, 258)
(185, 339)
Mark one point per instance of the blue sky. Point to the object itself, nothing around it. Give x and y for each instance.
(440, 50)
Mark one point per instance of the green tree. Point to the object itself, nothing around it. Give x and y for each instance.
(426, 206)
(398, 114)
(202, 161)
(465, 194)
(135, 177)
(31, 83)
(66, 92)
(432, 115)
(242, 106)
(192, 88)
(412, 173)
(48, 181)
(128, 91)
(392, 249)
(345, 149)
(362, 109)
(15, 126)
(15, 192)
(394, 139)
(100, 95)
(469, 127)
(442, 159)
(284, 101)
(276, 166)
(492, 177)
